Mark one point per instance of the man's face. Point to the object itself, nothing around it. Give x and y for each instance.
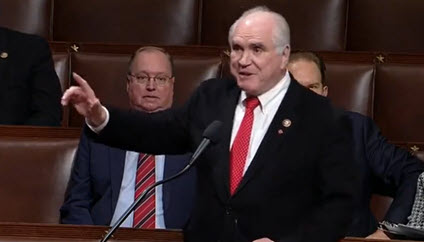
(308, 75)
(150, 96)
(254, 60)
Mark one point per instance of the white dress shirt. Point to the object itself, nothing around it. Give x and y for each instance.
(126, 193)
(263, 115)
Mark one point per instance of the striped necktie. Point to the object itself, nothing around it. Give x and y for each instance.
(144, 214)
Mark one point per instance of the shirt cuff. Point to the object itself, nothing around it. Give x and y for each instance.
(99, 128)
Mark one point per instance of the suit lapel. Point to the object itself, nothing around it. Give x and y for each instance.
(116, 164)
(274, 138)
(3, 61)
(221, 151)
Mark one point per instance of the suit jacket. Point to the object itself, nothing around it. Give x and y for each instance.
(95, 183)
(300, 186)
(29, 87)
(384, 169)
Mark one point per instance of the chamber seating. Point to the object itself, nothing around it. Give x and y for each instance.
(35, 168)
(384, 86)
(28, 16)
(166, 22)
(99, 37)
(319, 25)
(392, 25)
(36, 161)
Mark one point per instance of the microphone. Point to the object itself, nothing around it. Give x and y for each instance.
(210, 135)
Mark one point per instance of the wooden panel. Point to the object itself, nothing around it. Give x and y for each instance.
(51, 232)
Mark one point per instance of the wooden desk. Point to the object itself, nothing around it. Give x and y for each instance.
(351, 239)
(28, 232)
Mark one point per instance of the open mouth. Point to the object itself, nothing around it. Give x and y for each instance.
(244, 74)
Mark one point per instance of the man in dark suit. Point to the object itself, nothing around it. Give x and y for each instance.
(384, 168)
(29, 87)
(273, 175)
(102, 183)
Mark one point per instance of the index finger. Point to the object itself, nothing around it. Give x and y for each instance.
(81, 82)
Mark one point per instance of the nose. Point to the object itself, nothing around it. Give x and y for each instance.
(151, 84)
(245, 59)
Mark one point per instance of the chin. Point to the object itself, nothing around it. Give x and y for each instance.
(247, 86)
(144, 108)
(152, 109)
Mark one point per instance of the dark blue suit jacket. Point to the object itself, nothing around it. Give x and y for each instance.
(384, 169)
(95, 183)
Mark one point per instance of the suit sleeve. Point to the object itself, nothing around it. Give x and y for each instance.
(45, 105)
(396, 170)
(168, 129)
(78, 197)
(339, 184)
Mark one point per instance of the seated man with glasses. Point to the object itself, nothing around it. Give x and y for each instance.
(106, 180)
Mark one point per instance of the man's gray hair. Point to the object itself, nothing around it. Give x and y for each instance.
(280, 32)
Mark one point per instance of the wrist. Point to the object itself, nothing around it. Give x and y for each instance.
(97, 113)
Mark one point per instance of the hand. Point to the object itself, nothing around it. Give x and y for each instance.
(85, 101)
(378, 234)
(263, 240)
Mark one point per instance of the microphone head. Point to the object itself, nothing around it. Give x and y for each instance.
(212, 131)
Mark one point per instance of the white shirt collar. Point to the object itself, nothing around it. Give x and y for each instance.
(266, 97)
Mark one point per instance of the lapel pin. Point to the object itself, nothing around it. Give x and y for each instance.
(280, 131)
(4, 55)
(286, 123)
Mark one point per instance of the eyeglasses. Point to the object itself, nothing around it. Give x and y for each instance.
(160, 80)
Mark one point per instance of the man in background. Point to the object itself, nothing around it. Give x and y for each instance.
(29, 87)
(384, 168)
(106, 180)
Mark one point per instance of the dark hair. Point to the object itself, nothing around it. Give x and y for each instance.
(149, 49)
(310, 56)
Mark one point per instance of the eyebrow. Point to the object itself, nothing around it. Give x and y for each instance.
(258, 44)
(314, 84)
(148, 74)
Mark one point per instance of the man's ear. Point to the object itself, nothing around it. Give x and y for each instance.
(285, 56)
(325, 91)
(286, 51)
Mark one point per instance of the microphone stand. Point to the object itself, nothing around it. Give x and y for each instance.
(209, 134)
(141, 198)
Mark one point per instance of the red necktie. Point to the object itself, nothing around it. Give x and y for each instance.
(144, 214)
(241, 142)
